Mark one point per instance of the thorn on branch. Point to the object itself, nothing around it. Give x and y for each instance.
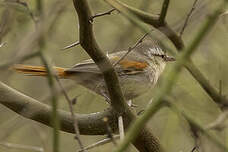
(188, 17)
(71, 45)
(101, 14)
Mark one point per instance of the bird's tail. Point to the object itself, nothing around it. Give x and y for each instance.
(37, 70)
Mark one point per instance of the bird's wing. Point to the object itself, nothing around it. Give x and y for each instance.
(129, 65)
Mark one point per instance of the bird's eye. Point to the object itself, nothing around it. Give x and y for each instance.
(162, 56)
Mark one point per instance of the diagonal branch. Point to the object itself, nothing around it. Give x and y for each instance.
(188, 17)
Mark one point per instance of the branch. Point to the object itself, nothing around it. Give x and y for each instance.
(164, 11)
(74, 118)
(188, 17)
(177, 41)
(145, 141)
(204, 83)
(89, 124)
(99, 143)
(88, 42)
(101, 14)
(168, 82)
(218, 123)
(199, 127)
(71, 45)
(21, 147)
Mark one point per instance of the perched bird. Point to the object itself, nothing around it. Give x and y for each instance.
(138, 71)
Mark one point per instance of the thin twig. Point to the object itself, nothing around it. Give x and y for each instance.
(101, 14)
(55, 119)
(188, 17)
(71, 45)
(22, 147)
(76, 129)
(131, 48)
(47, 97)
(219, 122)
(121, 127)
(164, 10)
(101, 142)
(109, 131)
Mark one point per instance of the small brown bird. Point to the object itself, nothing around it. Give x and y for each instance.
(137, 72)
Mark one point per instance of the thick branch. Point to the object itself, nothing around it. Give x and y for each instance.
(90, 45)
(89, 124)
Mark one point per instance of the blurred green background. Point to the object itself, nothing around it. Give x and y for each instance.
(113, 33)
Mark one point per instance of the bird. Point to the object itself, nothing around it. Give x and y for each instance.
(138, 71)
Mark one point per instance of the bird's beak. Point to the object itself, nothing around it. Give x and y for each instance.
(169, 59)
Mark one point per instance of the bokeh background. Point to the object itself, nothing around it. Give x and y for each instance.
(113, 33)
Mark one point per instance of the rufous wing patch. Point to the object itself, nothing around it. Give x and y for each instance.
(125, 63)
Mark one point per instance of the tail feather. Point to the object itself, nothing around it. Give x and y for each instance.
(37, 70)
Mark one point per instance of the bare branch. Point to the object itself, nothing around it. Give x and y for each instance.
(101, 142)
(199, 127)
(21, 147)
(77, 132)
(89, 124)
(101, 14)
(219, 124)
(188, 17)
(71, 45)
(164, 11)
(54, 100)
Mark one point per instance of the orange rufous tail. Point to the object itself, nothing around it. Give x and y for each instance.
(37, 70)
